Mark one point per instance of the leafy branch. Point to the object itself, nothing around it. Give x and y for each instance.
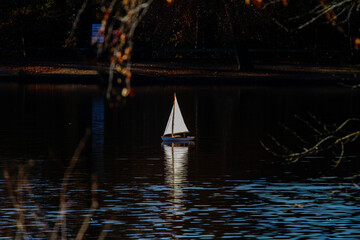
(118, 27)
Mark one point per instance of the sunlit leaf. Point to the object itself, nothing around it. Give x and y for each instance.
(257, 3)
(357, 43)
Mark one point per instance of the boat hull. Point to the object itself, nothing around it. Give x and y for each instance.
(177, 140)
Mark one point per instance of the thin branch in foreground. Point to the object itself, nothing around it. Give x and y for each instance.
(61, 219)
(76, 23)
(326, 9)
(106, 229)
(307, 123)
(326, 141)
(22, 198)
(94, 205)
(341, 154)
(275, 154)
(295, 134)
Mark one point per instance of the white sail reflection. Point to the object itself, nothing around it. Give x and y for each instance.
(176, 156)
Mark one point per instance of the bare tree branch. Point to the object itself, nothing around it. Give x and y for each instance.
(325, 140)
(61, 219)
(76, 22)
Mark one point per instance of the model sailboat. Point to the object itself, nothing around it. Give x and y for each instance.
(176, 130)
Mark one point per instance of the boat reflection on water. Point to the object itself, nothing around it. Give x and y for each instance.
(176, 163)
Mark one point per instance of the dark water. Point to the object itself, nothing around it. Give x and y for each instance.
(223, 186)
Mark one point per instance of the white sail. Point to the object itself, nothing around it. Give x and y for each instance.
(179, 124)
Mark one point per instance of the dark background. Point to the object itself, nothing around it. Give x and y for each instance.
(185, 29)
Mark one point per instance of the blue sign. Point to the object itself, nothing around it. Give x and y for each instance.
(97, 35)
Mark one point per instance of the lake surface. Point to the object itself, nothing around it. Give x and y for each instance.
(224, 186)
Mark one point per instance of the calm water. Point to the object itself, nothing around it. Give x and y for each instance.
(222, 186)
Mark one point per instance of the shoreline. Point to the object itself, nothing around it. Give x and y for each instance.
(180, 73)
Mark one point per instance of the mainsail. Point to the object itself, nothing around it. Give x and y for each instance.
(176, 122)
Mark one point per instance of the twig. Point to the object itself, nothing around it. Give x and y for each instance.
(16, 202)
(345, 123)
(308, 124)
(297, 136)
(323, 12)
(42, 225)
(328, 141)
(294, 157)
(341, 155)
(61, 219)
(105, 230)
(77, 20)
(94, 205)
(269, 149)
(280, 145)
(24, 194)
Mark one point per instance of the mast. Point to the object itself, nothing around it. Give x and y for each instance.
(173, 118)
(175, 123)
